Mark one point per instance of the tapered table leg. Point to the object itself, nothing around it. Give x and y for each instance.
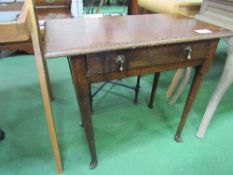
(72, 76)
(153, 90)
(81, 84)
(200, 71)
(190, 99)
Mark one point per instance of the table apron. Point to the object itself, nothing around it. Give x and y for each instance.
(142, 71)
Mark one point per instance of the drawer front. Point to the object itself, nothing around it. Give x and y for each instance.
(131, 59)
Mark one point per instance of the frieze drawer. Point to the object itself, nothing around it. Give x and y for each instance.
(112, 61)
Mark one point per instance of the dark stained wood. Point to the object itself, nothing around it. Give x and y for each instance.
(141, 71)
(199, 75)
(147, 48)
(153, 90)
(123, 32)
(105, 62)
(133, 7)
(25, 46)
(78, 67)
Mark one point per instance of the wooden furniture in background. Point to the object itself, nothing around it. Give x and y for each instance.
(27, 28)
(133, 7)
(183, 7)
(52, 9)
(94, 59)
(218, 12)
(45, 10)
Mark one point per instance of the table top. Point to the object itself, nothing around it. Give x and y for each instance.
(68, 37)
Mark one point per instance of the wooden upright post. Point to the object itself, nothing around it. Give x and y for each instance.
(133, 7)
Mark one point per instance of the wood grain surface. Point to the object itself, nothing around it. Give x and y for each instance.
(82, 36)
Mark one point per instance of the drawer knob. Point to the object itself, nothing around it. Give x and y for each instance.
(120, 60)
(188, 49)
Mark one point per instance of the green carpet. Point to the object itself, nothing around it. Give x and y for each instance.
(130, 139)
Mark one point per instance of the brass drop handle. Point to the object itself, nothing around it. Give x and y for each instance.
(188, 49)
(120, 59)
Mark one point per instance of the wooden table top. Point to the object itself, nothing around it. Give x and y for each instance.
(67, 37)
